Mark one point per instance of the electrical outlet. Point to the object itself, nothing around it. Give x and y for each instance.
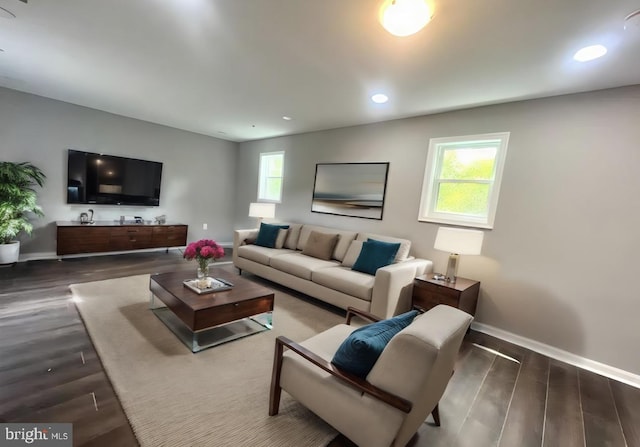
(205, 226)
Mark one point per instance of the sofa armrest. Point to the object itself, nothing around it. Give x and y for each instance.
(393, 286)
(239, 238)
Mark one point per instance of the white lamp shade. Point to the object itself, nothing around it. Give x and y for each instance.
(262, 210)
(457, 240)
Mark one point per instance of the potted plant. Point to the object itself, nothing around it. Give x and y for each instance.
(17, 204)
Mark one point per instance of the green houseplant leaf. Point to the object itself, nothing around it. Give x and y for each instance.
(18, 200)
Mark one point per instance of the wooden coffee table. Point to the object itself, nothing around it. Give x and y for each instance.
(207, 320)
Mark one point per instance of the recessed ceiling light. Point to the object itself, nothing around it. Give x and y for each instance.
(6, 13)
(590, 53)
(287, 118)
(379, 98)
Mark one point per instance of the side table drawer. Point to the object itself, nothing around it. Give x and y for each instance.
(428, 293)
(427, 298)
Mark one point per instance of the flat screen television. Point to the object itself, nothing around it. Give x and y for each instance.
(110, 180)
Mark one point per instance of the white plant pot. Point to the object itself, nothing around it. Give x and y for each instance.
(10, 252)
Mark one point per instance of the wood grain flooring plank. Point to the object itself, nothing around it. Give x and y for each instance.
(627, 401)
(525, 419)
(122, 436)
(20, 410)
(601, 424)
(563, 419)
(458, 399)
(486, 418)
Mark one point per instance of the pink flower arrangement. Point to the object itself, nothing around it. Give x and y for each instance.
(203, 251)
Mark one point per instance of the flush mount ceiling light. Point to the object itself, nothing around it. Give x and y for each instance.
(404, 17)
(379, 98)
(287, 118)
(632, 21)
(590, 53)
(5, 13)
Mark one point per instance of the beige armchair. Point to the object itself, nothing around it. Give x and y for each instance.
(404, 386)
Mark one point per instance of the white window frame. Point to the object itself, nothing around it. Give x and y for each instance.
(262, 177)
(432, 179)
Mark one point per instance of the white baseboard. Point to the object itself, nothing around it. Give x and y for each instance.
(558, 354)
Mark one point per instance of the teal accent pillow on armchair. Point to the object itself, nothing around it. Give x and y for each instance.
(359, 351)
(268, 234)
(375, 254)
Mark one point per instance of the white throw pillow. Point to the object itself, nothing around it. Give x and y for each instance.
(352, 254)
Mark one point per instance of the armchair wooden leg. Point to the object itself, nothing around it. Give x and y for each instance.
(436, 416)
(274, 395)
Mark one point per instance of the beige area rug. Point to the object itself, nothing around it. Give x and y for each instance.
(217, 397)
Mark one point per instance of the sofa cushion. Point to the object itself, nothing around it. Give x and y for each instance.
(375, 254)
(352, 254)
(300, 265)
(359, 351)
(341, 247)
(292, 236)
(260, 254)
(345, 280)
(268, 234)
(320, 245)
(282, 236)
(403, 251)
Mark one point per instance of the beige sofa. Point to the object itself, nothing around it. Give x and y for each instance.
(386, 294)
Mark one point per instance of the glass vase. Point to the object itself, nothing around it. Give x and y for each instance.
(203, 275)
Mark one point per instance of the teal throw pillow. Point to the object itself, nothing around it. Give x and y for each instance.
(375, 254)
(359, 351)
(268, 234)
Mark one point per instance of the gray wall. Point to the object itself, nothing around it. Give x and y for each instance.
(198, 171)
(560, 264)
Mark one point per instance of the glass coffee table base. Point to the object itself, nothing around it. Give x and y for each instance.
(217, 335)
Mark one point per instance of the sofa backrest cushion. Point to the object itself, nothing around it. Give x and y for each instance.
(403, 251)
(293, 235)
(320, 245)
(282, 237)
(343, 242)
(352, 253)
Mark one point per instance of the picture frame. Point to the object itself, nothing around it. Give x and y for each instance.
(350, 189)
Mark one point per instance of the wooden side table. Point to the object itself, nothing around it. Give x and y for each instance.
(429, 292)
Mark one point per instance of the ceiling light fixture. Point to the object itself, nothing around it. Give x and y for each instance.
(632, 21)
(6, 13)
(379, 98)
(287, 118)
(404, 17)
(590, 53)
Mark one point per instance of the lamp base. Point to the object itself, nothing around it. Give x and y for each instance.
(452, 268)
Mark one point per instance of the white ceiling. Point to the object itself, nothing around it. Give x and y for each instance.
(232, 68)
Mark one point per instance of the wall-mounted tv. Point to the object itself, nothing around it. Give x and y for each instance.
(109, 180)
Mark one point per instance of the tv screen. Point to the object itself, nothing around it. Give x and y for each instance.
(110, 180)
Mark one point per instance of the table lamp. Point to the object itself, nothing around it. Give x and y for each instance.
(262, 210)
(457, 242)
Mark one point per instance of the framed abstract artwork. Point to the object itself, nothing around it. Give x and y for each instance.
(350, 189)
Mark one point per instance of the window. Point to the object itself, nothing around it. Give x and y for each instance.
(462, 179)
(270, 176)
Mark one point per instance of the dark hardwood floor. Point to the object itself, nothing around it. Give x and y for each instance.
(50, 372)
